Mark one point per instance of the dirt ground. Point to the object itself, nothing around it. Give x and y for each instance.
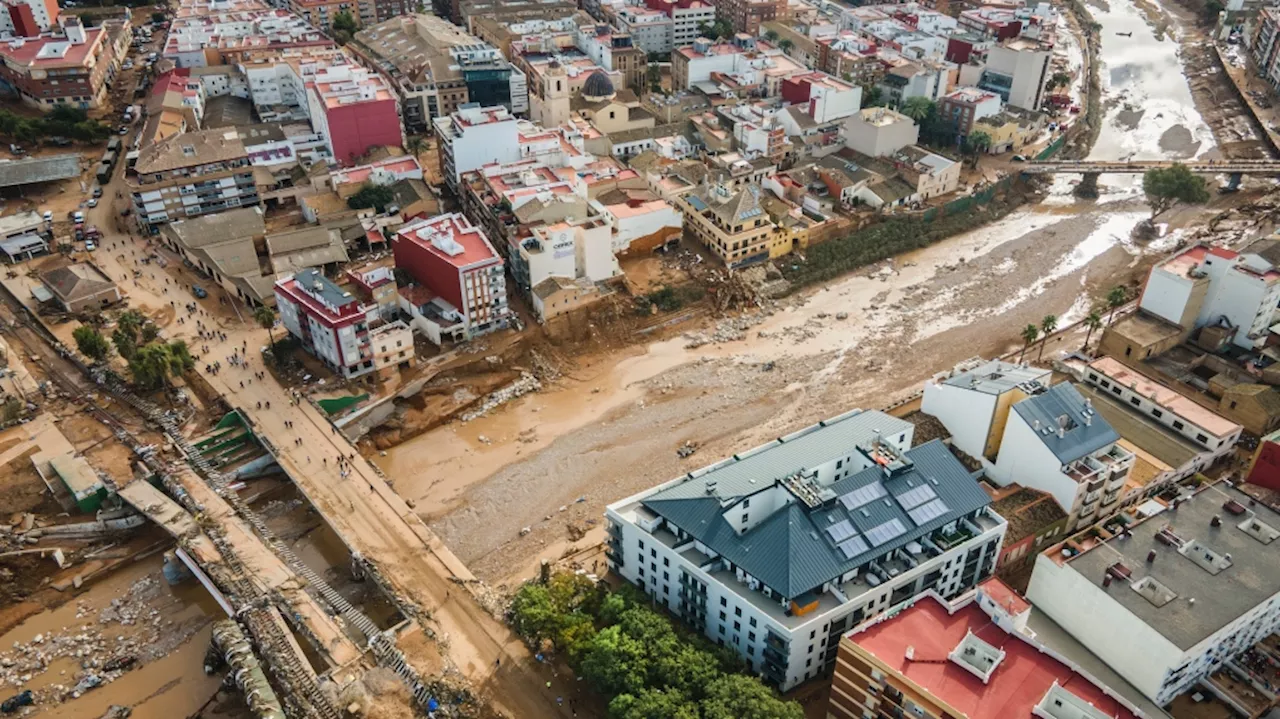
(551, 461)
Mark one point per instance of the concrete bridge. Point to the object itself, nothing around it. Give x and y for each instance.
(1090, 170)
(1137, 167)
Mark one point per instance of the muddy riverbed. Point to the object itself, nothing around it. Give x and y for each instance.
(524, 481)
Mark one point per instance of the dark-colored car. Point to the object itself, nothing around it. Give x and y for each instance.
(199, 292)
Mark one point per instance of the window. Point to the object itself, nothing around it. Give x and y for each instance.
(839, 463)
(751, 636)
(640, 571)
(1202, 438)
(1177, 424)
(665, 577)
(723, 616)
(745, 518)
(1156, 413)
(1233, 404)
(752, 621)
(653, 552)
(737, 626)
(722, 632)
(751, 651)
(723, 602)
(1135, 401)
(1093, 376)
(737, 611)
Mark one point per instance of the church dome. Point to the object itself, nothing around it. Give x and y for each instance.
(598, 86)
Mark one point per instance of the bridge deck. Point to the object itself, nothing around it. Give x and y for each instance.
(1214, 167)
(268, 571)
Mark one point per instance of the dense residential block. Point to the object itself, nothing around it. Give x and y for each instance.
(1173, 599)
(72, 67)
(779, 550)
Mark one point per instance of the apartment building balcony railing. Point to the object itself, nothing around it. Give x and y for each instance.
(1088, 511)
(1092, 497)
(1085, 470)
(1110, 498)
(1117, 458)
(952, 539)
(775, 642)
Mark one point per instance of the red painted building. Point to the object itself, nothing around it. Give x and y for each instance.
(453, 260)
(328, 320)
(1264, 471)
(355, 110)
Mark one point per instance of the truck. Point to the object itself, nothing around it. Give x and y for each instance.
(113, 145)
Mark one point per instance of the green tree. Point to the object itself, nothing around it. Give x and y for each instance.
(978, 142)
(1093, 322)
(1116, 298)
(735, 696)
(1029, 335)
(654, 75)
(370, 195)
(653, 704)
(1059, 79)
(872, 96)
(415, 145)
(157, 17)
(716, 30)
(126, 342)
(771, 35)
(918, 108)
(786, 44)
(154, 364)
(616, 663)
(344, 27)
(91, 343)
(266, 319)
(1047, 326)
(131, 321)
(150, 332)
(1167, 186)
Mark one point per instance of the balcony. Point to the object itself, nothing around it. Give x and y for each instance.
(950, 540)
(1085, 470)
(777, 643)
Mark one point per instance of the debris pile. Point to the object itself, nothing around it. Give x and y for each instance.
(526, 384)
(730, 329)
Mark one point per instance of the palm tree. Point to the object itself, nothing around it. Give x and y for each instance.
(416, 145)
(1047, 326)
(771, 35)
(786, 45)
(1093, 322)
(1029, 335)
(266, 317)
(917, 108)
(978, 142)
(1115, 300)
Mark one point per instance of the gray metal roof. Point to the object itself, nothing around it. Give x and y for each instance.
(1221, 594)
(39, 169)
(23, 244)
(798, 549)
(1085, 431)
(749, 472)
(21, 222)
(317, 284)
(996, 377)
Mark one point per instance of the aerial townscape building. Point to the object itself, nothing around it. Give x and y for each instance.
(776, 552)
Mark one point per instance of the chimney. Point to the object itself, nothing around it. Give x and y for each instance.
(1151, 557)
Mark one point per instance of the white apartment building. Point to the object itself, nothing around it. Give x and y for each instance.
(685, 21)
(779, 550)
(973, 400)
(1054, 441)
(1203, 285)
(573, 249)
(1016, 71)
(879, 131)
(1175, 599)
(333, 326)
(476, 136)
(1213, 433)
(650, 30)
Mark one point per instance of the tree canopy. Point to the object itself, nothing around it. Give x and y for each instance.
(62, 121)
(370, 195)
(1167, 186)
(91, 343)
(154, 364)
(635, 655)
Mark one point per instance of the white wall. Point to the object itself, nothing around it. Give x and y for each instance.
(1166, 295)
(1082, 607)
(1213, 445)
(965, 413)
(1024, 458)
(482, 144)
(878, 141)
(1239, 297)
(1029, 70)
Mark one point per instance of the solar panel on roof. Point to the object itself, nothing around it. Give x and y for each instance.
(853, 547)
(841, 531)
(928, 511)
(915, 497)
(863, 495)
(882, 533)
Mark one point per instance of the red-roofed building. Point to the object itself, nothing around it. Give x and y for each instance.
(355, 110)
(28, 18)
(454, 261)
(967, 658)
(72, 67)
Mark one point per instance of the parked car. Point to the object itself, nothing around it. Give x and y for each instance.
(93, 202)
(97, 191)
(48, 216)
(89, 246)
(199, 292)
(77, 216)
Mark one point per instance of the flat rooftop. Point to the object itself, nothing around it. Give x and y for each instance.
(1148, 435)
(1166, 397)
(1222, 593)
(1018, 681)
(997, 377)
